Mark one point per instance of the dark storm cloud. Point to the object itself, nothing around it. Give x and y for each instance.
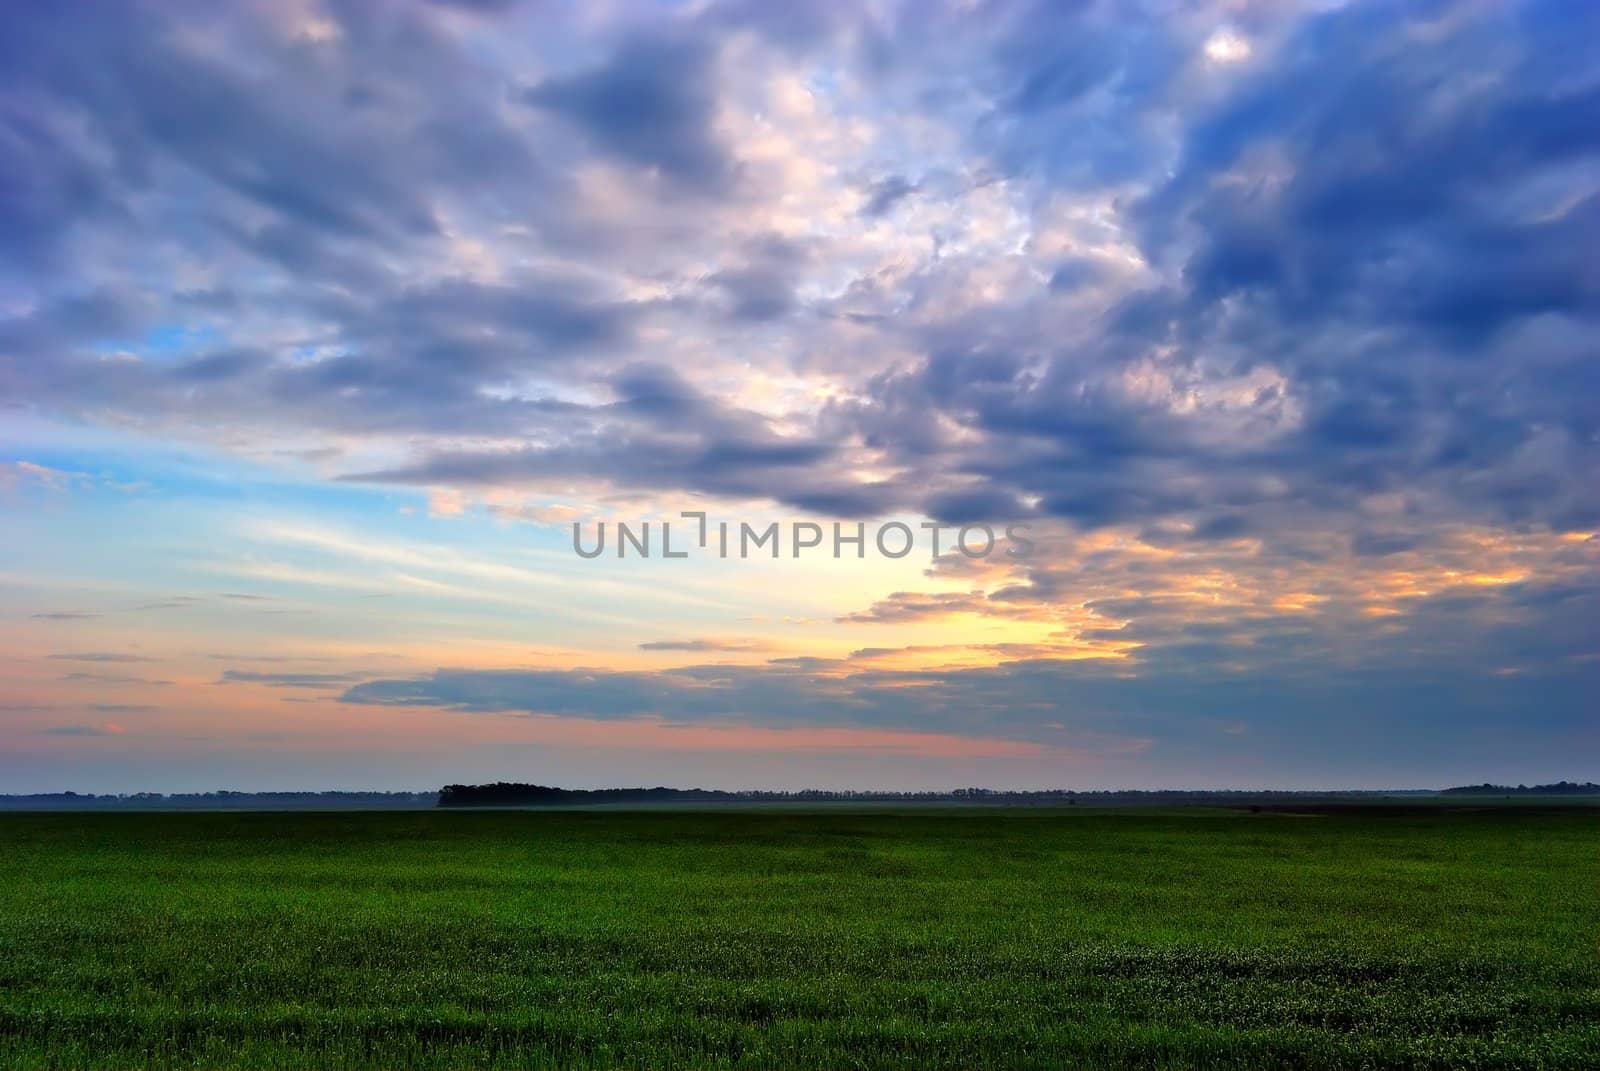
(762, 286)
(1384, 230)
(318, 160)
(489, 7)
(149, 102)
(1374, 207)
(652, 103)
(661, 432)
(884, 194)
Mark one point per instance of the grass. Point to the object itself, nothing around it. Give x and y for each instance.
(789, 939)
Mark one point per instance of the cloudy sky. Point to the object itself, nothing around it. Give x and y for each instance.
(321, 323)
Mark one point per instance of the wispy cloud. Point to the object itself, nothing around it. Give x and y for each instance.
(108, 729)
(701, 644)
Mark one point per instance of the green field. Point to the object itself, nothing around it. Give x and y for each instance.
(800, 939)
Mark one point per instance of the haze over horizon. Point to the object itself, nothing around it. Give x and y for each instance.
(641, 793)
(322, 322)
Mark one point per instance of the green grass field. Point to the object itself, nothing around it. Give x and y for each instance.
(790, 939)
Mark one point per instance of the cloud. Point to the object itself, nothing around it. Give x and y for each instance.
(1043, 322)
(806, 692)
(108, 729)
(884, 194)
(699, 645)
(914, 605)
(289, 680)
(659, 431)
(16, 474)
(651, 103)
(1093, 705)
(112, 679)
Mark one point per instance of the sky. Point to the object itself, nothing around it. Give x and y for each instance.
(1270, 329)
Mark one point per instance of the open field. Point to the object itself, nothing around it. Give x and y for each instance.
(788, 938)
